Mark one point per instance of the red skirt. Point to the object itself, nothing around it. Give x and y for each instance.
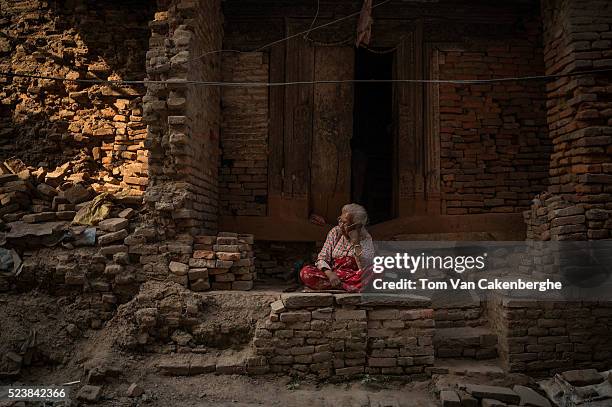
(352, 279)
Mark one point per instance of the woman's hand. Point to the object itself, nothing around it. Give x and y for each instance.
(354, 236)
(333, 279)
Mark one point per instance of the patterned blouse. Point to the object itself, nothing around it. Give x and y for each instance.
(337, 245)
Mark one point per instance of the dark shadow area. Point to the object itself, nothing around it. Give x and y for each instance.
(372, 142)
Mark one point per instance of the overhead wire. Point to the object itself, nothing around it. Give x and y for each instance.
(289, 37)
(179, 83)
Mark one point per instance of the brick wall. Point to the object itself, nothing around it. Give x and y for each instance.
(47, 123)
(243, 187)
(543, 338)
(494, 147)
(184, 118)
(345, 335)
(577, 37)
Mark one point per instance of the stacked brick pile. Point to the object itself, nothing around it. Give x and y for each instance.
(331, 335)
(222, 262)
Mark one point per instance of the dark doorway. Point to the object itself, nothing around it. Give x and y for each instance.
(372, 142)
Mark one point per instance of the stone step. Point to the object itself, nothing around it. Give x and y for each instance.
(228, 361)
(465, 342)
(490, 368)
(457, 309)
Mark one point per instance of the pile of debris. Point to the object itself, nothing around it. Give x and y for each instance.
(584, 387)
(61, 208)
(38, 195)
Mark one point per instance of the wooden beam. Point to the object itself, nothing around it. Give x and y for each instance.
(498, 226)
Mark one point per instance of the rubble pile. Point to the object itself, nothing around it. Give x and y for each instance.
(41, 195)
(585, 387)
(477, 395)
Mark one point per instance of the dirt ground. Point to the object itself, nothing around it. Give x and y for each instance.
(63, 350)
(272, 391)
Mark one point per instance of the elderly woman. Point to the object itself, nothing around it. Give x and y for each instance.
(346, 256)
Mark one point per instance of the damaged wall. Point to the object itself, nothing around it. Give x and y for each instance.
(577, 37)
(46, 122)
(184, 119)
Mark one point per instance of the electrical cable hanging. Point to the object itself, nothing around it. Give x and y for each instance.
(314, 20)
(301, 33)
(317, 82)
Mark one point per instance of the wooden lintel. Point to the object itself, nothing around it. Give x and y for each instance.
(499, 226)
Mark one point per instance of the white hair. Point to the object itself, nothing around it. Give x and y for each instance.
(357, 212)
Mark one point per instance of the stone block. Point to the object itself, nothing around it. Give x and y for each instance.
(198, 274)
(583, 377)
(89, 393)
(493, 392)
(492, 403)
(228, 256)
(347, 314)
(382, 362)
(242, 285)
(200, 285)
(38, 217)
(449, 398)
(277, 307)
(203, 254)
(530, 397)
(113, 224)
(296, 316)
(127, 213)
(112, 237)
(302, 300)
(180, 269)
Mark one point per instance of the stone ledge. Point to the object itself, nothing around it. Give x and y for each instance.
(383, 300)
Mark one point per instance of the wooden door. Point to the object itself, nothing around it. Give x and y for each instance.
(291, 136)
(332, 131)
(408, 126)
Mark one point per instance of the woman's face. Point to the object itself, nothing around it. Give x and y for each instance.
(345, 219)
